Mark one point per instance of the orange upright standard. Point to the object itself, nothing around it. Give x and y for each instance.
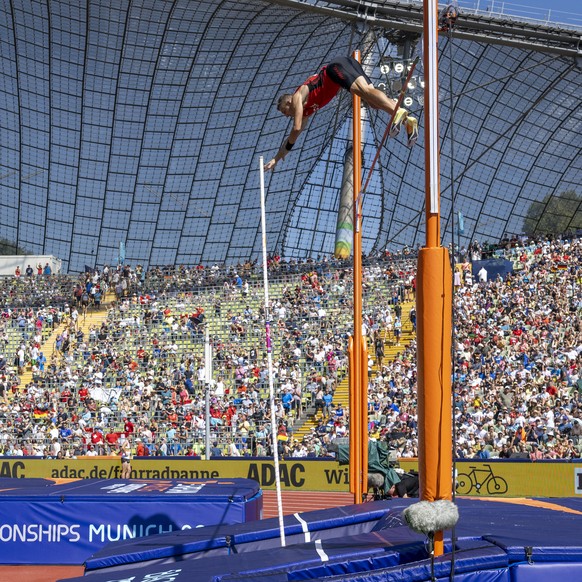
(434, 304)
(358, 353)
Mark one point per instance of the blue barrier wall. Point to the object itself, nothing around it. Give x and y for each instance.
(49, 523)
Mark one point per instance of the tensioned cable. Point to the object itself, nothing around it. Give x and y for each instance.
(395, 236)
(538, 100)
(416, 217)
(453, 334)
(508, 76)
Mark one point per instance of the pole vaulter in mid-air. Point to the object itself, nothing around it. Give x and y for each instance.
(319, 89)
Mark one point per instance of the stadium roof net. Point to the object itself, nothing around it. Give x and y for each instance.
(140, 123)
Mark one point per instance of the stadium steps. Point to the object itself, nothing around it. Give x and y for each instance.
(341, 394)
(47, 348)
(408, 334)
(94, 317)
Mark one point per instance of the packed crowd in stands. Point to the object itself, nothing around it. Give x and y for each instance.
(140, 374)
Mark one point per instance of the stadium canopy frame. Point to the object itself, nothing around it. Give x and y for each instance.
(407, 16)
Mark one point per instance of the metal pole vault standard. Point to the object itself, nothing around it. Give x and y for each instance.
(270, 357)
(358, 361)
(434, 305)
(358, 348)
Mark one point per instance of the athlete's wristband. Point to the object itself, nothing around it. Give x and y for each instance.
(289, 145)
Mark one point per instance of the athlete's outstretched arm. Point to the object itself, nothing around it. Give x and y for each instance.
(299, 123)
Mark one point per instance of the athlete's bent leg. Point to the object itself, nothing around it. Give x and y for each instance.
(379, 100)
(373, 97)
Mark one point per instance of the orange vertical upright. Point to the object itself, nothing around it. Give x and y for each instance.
(364, 416)
(351, 384)
(356, 389)
(434, 304)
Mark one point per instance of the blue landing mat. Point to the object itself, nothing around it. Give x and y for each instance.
(496, 540)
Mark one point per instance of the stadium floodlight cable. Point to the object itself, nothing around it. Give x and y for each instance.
(274, 431)
(450, 16)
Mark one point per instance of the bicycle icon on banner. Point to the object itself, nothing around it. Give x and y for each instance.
(478, 479)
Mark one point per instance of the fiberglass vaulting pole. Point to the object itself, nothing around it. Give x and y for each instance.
(434, 304)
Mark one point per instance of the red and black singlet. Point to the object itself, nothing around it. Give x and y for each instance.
(321, 91)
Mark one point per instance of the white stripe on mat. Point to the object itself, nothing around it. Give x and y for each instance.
(304, 526)
(324, 557)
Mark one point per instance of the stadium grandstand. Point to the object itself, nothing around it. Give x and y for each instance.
(78, 377)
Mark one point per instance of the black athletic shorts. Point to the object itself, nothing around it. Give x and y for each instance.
(344, 71)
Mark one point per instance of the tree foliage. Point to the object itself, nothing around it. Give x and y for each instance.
(555, 214)
(9, 248)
